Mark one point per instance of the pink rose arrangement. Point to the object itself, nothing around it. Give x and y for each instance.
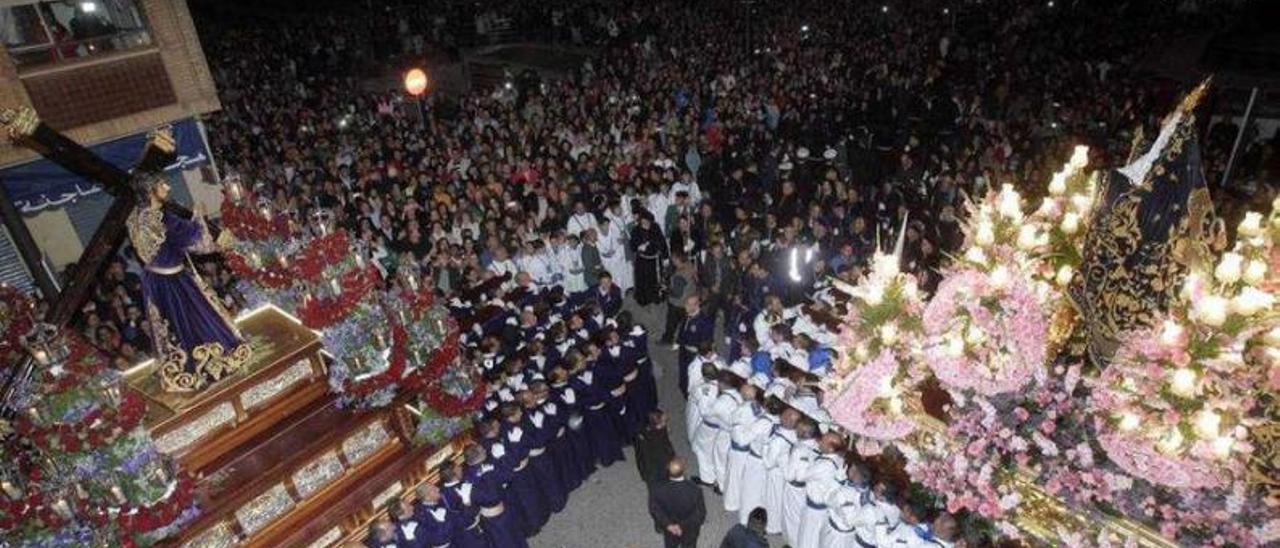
(880, 340)
(986, 332)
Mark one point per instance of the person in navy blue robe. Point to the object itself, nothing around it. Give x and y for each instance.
(637, 343)
(559, 448)
(435, 521)
(607, 295)
(611, 368)
(486, 480)
(582, 462)
(542, 433)
(606, 444)
(406, 526)
(698, 329)
(382, 534)
(527, 495)
(459, 498)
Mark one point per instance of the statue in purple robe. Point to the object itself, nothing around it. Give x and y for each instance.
(195, 339)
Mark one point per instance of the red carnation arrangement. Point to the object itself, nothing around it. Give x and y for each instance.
(322, 312)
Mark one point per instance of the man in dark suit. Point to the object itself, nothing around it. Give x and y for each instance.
(653, 449)
(678, 508)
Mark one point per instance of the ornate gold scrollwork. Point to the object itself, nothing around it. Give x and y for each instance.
(20, 122)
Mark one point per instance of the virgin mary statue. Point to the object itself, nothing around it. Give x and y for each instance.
(195, 340)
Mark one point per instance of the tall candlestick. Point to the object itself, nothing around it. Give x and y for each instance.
(335, 286)
(11, 490)
(413, 283)
(234, 191)
(118, 494)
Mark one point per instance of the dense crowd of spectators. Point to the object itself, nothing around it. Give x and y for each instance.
(742, 130)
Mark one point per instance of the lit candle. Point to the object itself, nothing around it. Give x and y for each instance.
(1207, 423)
(378, 340)
(34, 414)
(1128, 422)
(113, 394)
(1171, 441)
(1183, 383)
(335, 286)
(895, 405)
(306, 299)
(234, 191)
(1079, 157)
(999, 277)
(889, 333)
(359, 259)
(1171, 333)
(118, 494)
(284, 261)
(413, 283)
(1222, 447)
(266, 212)
(62, 508)
(254, 259)
(40, 356)
(400, 314)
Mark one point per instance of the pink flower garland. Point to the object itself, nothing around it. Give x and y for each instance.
(1013, 351)
(853, 410)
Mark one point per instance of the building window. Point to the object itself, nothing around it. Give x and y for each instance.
(41, 33)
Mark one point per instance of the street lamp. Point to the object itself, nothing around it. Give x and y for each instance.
(415, 82)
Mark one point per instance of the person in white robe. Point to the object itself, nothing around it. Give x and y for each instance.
(613, 252)
(725, 406)
(740, 437)
(702, 435)
(852, 517)
(890, 518)
(754, 474)
(502, 265)
(657, 203)
(687, 185)
(581, 220)
(797, 466)
(694, 369)
(776, 453)
(569, 261)
(773, 314)
(912, 532)
(820, 479)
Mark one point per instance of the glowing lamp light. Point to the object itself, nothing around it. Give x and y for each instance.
(415, 82)
(88, 7)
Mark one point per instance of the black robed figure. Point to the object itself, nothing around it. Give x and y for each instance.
(1153, 221)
